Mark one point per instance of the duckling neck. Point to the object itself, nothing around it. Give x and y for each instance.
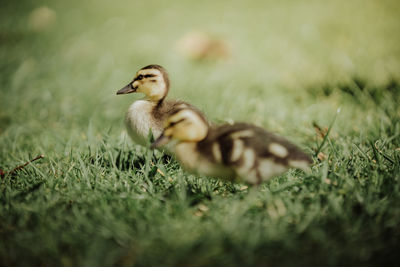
(154, 99)
(157, 96)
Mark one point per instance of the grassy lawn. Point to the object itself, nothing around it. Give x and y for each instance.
(97, 199)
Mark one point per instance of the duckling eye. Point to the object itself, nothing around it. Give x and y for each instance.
(172, 123)
(169, 125)
(139, 77)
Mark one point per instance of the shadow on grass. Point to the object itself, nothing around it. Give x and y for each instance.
(358, 90)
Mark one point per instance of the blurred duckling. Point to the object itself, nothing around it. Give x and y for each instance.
(229, 151)
(148, 114)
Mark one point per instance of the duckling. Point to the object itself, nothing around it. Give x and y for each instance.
(229, 151)
(148, 114)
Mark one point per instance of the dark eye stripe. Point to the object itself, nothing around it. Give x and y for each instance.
(174, 123)
(140, 77)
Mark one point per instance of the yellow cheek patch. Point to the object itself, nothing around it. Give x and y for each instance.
(135, 84)
(168, 132)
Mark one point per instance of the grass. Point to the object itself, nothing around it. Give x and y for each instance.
(97, 199)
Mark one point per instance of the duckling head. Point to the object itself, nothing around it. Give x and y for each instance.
(151, 80)
(186, 125)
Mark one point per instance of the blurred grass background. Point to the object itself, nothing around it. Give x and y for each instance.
(291, 64)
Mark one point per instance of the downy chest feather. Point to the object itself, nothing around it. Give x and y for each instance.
(139, 120)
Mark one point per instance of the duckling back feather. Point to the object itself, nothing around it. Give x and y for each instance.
(252, 152)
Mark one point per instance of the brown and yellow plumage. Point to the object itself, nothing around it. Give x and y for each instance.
(241, 150)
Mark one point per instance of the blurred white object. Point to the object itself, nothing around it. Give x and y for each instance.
(199, 45)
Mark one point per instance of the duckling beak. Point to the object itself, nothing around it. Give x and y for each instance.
(162, 140)
(126, 90)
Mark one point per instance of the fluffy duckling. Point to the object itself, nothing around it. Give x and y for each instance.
(148, 114)
(235, 150)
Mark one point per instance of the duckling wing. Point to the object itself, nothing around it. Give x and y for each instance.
(254, 153)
